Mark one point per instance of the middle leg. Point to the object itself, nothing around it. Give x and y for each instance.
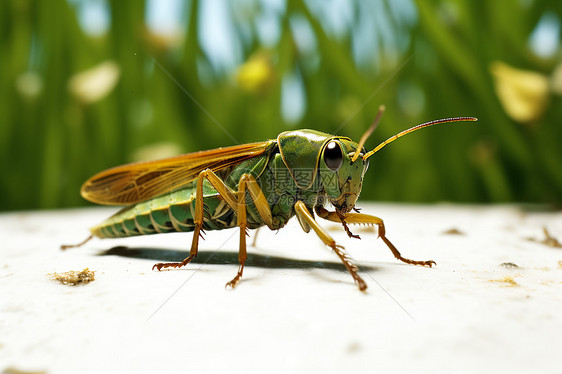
(248, 182)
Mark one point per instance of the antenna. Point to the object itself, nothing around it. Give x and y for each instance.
(368, 133)
(415, 128)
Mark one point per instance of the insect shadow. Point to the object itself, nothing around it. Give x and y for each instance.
(226, 258)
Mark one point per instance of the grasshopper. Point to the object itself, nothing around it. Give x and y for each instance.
(249, 186)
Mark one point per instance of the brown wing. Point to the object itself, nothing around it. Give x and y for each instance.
(140, 181)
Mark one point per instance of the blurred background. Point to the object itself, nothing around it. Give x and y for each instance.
(89, 84)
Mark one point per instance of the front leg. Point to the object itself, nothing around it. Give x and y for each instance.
(357, 218)
(303, 213)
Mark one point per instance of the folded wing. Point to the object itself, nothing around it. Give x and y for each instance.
(140, 181)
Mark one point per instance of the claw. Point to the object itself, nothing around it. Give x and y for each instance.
(346, 228)
(235, 280)
(162, 265)
(361, 283)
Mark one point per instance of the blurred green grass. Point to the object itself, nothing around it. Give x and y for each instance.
(423, 60)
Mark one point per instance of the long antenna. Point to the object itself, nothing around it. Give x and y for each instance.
(368, 132)
(415, 128)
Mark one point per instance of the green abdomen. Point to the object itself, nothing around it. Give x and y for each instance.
(172, 212)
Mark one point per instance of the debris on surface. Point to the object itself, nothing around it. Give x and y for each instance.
(548, 240)
(507, 281)
(509, 265)
(12, 370)
(354, 347)
(453, 231)
(73, 278)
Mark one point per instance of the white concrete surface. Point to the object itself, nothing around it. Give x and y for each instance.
(295, 310)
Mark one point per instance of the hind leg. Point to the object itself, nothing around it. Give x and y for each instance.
(198, 232)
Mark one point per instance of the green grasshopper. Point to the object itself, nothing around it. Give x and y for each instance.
(249, 186)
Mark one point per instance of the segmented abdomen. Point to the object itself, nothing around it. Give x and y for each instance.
(172, 212)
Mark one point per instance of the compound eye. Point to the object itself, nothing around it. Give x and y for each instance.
(333, 156)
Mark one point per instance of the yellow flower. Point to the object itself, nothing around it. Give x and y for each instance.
(523, 94)
(256, 74)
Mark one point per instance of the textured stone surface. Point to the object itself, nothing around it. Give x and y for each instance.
(493, 303)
